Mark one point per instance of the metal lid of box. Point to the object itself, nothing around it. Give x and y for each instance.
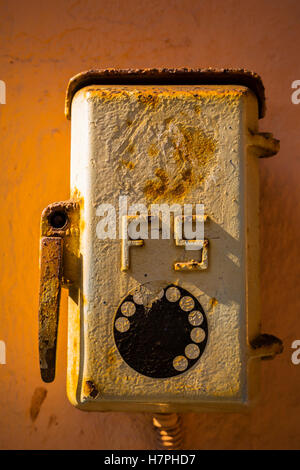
(183, 76)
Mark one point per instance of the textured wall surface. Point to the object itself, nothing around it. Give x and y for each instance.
(42, 45)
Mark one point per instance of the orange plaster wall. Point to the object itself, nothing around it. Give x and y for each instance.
(43, 44)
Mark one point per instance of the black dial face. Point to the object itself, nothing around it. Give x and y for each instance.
(161, 335)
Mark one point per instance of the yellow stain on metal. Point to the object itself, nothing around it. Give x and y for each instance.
(153, 97)
(213, 302)
(153, 151)
(193, 150)
(193, 154)
(128, 164)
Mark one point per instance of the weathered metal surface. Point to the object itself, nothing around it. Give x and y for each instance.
(90, 389)
(59, 266)
(69, 232)
(194, 265)
(166, 144)
(50, 287)
(182, 76)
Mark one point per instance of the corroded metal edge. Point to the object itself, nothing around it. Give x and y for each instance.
(49, 297)
(182, 76)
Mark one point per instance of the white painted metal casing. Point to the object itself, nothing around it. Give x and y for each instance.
(166, 144)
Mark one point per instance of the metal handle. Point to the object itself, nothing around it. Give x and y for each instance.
(51, 250)
(59, 267)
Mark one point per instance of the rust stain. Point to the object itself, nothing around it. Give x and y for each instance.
(150, 100)
(78, 197)
(112, 365)
(154, 189)
(90, 389)
(38, 397)
(153, 150)
(69, 233)
(49, 296)
(128, 164)
(111, 356)
(60, 265)
(107, 94)
(197, 109)
(213, 302)
(130, 148)
(193, 265)
(193, 153)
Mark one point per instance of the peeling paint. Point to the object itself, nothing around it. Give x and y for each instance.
(193, 153)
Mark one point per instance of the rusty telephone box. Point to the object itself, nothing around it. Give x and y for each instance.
(155, 324)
